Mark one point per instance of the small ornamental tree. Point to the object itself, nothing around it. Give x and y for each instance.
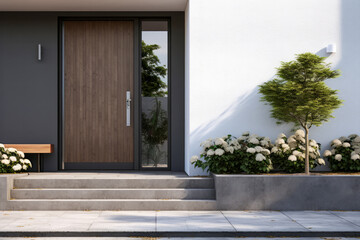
(299, 95)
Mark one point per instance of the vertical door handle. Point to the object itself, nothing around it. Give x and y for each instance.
(128, 108)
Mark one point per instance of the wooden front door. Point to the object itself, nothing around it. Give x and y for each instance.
(98, 71)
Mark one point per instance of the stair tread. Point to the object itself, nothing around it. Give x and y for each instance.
(118, 200)
(111, 189)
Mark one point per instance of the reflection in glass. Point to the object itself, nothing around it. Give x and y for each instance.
(154, 94)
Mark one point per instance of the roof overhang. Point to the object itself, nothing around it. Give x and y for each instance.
(92, 5)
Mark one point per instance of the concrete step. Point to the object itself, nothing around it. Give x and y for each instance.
(153, 183)
(111, 204)
(93, 193)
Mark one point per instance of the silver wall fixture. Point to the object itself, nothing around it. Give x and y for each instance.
(39, 52)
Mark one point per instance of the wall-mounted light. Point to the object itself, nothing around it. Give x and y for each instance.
(331, 48)
(39, 52)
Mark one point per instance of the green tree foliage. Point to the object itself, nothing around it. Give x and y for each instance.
(152, 72)
(299, 95)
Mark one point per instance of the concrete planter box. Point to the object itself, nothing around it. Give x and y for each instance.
(287, 192)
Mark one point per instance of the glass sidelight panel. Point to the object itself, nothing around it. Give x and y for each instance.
(154, 94)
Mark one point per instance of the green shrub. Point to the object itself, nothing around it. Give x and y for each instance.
(12, 160)
(228, 155)
(288, 154)
(345, 154)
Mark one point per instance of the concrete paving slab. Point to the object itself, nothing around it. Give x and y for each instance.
(257, 221)
(322, 221)
(194, 221)
(353, 217)
(126, 221)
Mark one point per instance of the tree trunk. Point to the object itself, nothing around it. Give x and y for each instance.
(307, 165)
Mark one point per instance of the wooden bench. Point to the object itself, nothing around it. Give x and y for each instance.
(33, 148)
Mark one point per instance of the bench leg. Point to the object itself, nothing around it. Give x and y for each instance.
(39, 160)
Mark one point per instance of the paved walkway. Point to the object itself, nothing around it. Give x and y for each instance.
(179, 223)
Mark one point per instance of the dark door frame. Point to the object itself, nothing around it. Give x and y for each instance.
(136, 99)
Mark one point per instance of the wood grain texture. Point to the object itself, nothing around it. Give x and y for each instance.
(32, 148)
(98, 70)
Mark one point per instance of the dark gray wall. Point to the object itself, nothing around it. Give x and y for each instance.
(29, 111)
(29, 88)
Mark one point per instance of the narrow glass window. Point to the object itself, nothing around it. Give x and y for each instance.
(154, 94)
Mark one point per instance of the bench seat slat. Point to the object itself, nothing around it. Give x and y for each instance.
(32, 148)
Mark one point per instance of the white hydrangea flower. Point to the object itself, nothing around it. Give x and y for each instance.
(254, 141)
(259, 157)
(311, 149)
(313, 143)
(251, 150)
(267, 139)
(194, 159)
(346, 145)
(17, 167)
(291, 139)
(321, 161)
(302, 155)
(264, 143)
(229, 149)
(27, 161)
(258, 148)
(285, 146)
(219, 141)
(206, 144)
(312, 155)
(25, 167)
(219, 152)
(21, 154)
(296, 153)
(274, 150)
(13, 159)
(327, 153)
(336, 143)
(292, 158)
(253, 136)
(281, 135)
(279, 141)
(266, 152)
(333, 151)
(242, 138)
(11, 149)
(300, 139)
(355, 157)
(21, 160)
(4, 156)
(302, 148)
(293, 145)
(300, 133)
(247, 133)
(5, 161)
(338, 157)
(2, 145)
(210, 152)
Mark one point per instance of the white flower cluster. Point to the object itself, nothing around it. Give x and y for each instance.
(294, 146)
(352, 142)
(14, 159)
(259, 146)
(221, 145)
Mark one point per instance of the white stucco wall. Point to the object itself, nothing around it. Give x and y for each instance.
(232, 46)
